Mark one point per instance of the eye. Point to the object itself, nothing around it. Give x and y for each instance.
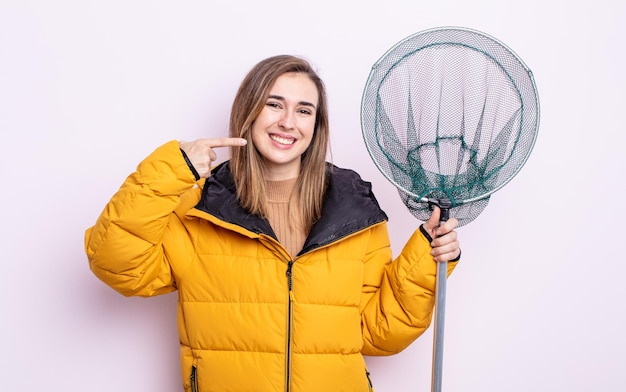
(305, 111)
(273, 104)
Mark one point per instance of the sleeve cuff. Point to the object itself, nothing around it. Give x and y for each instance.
(193, 169)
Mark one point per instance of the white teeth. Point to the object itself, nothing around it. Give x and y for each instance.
(282, 140)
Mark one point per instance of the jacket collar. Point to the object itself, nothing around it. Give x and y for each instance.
(349, 206)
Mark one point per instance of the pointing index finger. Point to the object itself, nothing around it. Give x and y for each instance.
(226, 142)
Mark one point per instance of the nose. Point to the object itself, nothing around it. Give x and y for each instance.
(287, 120)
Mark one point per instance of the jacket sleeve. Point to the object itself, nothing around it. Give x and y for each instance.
(125, 246)
(397, 308)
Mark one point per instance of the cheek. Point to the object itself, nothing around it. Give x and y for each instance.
(264, 119)
(255, 134)
(308, 127)
(309, 137)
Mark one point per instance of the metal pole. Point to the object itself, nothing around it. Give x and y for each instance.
(440, 309)
(440, 306)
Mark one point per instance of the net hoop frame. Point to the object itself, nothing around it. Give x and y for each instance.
(514, 81)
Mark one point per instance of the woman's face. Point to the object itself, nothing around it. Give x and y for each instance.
(283, 130)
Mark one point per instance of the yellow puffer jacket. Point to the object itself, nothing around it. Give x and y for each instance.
(250, 317)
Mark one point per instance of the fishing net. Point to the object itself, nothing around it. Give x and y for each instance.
(449, 114)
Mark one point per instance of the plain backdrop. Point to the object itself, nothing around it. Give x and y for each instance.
(89, 88)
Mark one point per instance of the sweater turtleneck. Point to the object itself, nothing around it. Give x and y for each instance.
(283, 215)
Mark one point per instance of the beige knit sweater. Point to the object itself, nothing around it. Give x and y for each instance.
(284, 216)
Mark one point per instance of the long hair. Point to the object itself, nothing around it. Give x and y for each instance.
(247, 163)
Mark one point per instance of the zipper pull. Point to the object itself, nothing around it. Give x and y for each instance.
(290, 279)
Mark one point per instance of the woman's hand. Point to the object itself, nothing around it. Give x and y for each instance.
(445, 245)
(201, 155)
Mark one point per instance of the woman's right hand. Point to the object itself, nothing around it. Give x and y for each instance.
(201, 155)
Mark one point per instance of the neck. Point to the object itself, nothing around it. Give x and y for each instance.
(282, 172)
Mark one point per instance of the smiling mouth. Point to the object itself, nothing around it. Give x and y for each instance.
(282, 140)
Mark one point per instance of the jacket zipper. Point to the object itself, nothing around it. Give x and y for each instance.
(289, 321)
(193, 380)
(271, 243)
(369, 380)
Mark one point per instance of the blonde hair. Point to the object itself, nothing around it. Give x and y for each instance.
(247, 163)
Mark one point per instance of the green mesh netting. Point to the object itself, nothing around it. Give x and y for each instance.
(449, 113)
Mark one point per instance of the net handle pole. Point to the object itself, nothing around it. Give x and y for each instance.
(440, 304)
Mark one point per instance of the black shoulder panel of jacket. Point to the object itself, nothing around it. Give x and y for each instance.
(349, 206)
(219, 198)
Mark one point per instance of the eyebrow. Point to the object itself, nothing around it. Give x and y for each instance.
(280, 98)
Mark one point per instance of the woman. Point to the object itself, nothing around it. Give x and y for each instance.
(282, 261)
